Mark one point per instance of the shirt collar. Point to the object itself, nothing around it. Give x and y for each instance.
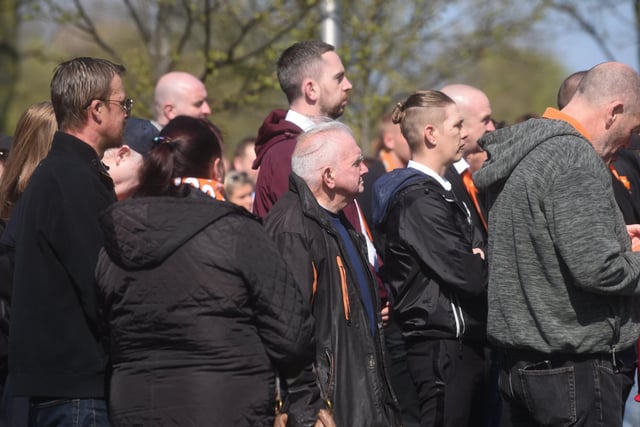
(461, 166)
(302, 121)
(422, 168)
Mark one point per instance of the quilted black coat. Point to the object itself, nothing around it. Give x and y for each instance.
(196, 304)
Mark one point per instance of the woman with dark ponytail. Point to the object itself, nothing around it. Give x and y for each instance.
(196, 305)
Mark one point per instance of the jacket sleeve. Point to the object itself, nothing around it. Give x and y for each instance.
(427, 227)
(282, 316)
(303, 399)
(587, 236)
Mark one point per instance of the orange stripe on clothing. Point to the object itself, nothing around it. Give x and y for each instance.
(345, 291)
(473, 193)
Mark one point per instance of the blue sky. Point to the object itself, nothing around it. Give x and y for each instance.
(578, 51)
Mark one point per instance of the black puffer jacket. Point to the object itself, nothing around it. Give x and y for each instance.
(195, 303)
(349, 363)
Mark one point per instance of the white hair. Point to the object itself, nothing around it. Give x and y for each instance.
(317, 149)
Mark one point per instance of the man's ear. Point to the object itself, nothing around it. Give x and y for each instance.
(614, 110)
(168, 111)
(430, 134)
(95, 110)
(310, 89)
(327, 177)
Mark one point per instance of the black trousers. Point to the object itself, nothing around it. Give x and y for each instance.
(400, 377)
(450, 378)
(560, 390)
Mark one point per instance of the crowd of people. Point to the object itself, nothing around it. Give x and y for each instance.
(464, 276)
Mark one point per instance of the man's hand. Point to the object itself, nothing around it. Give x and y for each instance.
(634, 234)
(281, 420)
(478, 251)
(384, 313)
(325, 419)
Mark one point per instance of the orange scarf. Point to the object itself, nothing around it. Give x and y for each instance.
(211, 187)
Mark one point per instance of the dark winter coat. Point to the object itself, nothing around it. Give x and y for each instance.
(349, 363)
(196, 303)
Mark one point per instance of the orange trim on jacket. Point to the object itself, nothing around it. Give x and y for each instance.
(345, 290)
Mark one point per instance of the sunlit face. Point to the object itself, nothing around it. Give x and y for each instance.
(193, 101)
(124, 167)
(244, 162)
(242, 196)
(351, 169)
(451, 135)
(476, 113)
(334, 86)
(114, 116)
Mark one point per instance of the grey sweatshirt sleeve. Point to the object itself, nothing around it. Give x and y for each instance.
(591, 242)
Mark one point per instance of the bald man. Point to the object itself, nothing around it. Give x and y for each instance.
(562, 275)
(475, 109)
(179, 94)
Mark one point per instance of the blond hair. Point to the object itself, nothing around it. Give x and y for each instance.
(31, 143)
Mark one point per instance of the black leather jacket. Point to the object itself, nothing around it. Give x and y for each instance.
(349, 362)
(438, 284)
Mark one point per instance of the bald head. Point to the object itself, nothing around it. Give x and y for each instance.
(180, 94)
(606, 104)
(475, 109)
(568, 88)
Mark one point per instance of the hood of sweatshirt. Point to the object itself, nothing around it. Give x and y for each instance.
(386, 187)
(273, 130)
(143, 232)
(508, 146)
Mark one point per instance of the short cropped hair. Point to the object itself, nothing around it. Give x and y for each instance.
(298, 62)
(76, 83)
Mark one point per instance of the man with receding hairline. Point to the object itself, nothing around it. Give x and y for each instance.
(563, 279)
(178, 93)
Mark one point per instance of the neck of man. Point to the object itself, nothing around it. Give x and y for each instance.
(89, 137)
(430, 161)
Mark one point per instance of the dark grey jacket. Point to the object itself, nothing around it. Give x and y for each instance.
(562, 277)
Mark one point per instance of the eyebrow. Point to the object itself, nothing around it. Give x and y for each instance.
(359, 160)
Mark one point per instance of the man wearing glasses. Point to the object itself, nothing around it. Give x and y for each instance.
(55, 358)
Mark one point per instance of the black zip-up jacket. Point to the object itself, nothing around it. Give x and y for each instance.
(349, 362)
(438, 285)
(53, 345)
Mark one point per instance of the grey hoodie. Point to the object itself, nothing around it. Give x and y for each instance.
(562, 277)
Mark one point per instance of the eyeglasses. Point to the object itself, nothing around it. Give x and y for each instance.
(126, 104)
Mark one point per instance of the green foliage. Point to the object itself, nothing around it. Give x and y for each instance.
(390, 48)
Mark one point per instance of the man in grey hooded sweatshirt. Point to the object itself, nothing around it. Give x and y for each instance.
(563, 280)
